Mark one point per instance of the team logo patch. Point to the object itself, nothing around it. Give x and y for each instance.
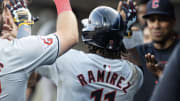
(155, 3)
(47, 41)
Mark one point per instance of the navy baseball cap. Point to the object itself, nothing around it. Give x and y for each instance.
(162, 7)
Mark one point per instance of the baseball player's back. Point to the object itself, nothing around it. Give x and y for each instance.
(89, 77)
(99, 75)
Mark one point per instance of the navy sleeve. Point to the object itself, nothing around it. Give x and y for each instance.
(141, 53)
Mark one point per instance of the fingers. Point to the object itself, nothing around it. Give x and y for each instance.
(156, 70)
(9, 7)
(128, 10)
(35, 19)
(6, 20)
(150, 62)
(119, 6)
(10, 38)
(18, 3)
(7, 36)
(153, 65)
(135, 28)
(15, 4)
(128, 1)
(150, 58)
(23, 3)
(6, 28)
(135, 4)
(4, 36)
(12, 2)
(9, 31)
(153, 60)
(132, 9)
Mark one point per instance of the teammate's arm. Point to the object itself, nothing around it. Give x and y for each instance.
(22, 17)
(67, 28)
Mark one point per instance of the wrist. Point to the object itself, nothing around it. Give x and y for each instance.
(28, 23)
(62, 5)
(23, 31)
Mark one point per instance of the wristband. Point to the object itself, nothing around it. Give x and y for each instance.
(62, 5)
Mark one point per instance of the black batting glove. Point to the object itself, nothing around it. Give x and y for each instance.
(130, 12)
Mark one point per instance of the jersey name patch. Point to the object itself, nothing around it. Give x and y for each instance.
(111, 78)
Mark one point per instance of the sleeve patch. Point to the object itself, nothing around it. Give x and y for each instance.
(47, 41)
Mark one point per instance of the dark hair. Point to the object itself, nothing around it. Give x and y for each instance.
(107, 53)
(140, 2)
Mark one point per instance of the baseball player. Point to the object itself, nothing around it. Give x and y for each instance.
(153, 56)
(19, 57)
(11, 27)
(101, 74)
(168, 86)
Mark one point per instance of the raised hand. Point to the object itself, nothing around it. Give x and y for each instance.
(152, 64)
(20, 12)
(9, 28)
(128, 11)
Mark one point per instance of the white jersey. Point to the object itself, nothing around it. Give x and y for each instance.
(89, 77)
(17, 60)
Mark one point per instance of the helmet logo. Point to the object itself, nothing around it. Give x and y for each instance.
(111, 42)
(155, 3)
(107, 67)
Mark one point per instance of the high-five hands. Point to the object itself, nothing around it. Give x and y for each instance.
(128, 12)
(21, 13)
(152, 64)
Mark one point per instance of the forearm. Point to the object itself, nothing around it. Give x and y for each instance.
(23, 31)
(67, 28)
(133, 56)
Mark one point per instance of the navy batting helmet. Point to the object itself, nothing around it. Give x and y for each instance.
(104, 29)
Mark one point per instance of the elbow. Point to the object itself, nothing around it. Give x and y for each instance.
(76, 37)
(76, 41)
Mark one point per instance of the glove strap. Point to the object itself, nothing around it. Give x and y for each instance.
(23, 22)
(26, 23)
